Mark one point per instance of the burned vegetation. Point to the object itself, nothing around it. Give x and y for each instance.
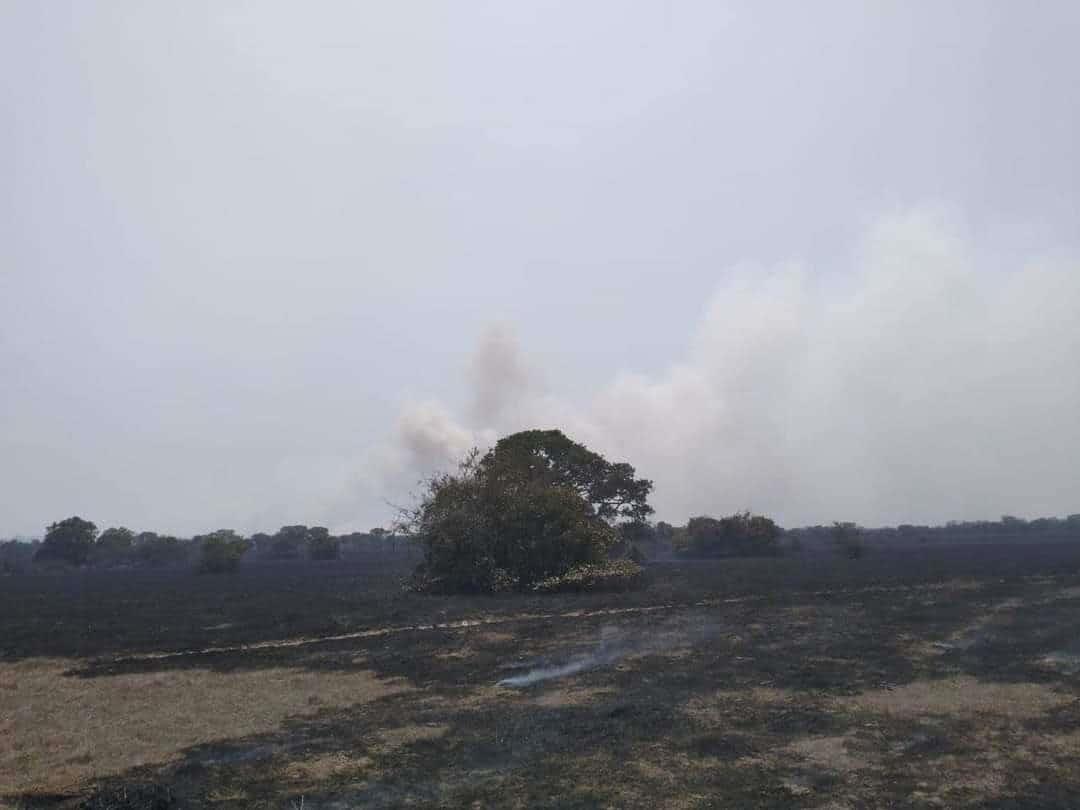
(527, 638)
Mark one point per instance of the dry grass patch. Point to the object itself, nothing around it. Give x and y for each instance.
(716, 707)
(330, 767)
(1063, 744)
(570, 696)
(960, 779)
(404, 735)
(961, 697)
(830, 753)
(57, 731)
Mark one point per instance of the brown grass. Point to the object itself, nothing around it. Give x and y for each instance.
(57, 731)
(961, 697)
(810, 699)
(321, 769)
(830, 753)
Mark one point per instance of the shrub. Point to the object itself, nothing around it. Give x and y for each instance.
(614, 575)
(221, 551)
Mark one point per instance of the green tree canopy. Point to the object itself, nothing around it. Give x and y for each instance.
(154, 549)
(742, 534)
(113, 545)
(116, 540)
(322, 545)
(548, 458)
(220, 551)
(69, 541)
(534, 507)
(289, 542)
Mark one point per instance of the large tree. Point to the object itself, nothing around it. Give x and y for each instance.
(534, 507)
(551, 459)
(68, 541)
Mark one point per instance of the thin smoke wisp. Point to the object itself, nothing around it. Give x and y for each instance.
(615, 644)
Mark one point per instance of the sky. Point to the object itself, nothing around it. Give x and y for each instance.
(270, 263)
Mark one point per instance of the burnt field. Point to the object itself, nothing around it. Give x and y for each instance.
(933, 677)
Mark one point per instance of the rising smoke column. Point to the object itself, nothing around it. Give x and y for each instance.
(920, 386)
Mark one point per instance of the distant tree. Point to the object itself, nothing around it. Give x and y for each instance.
(634, 536)
(220, 551)
(680, 540)
(323, 546)
(740, 535)
(1043, 524)
(114, 544)
(16, 556)
(289, 542)
(159, 550)
(69, 541)
(705, 537)
(117, 539)
(261, 543)
(847, 539)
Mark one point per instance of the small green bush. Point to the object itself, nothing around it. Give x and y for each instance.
(614, 575)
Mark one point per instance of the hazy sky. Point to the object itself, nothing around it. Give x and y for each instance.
(265, 263)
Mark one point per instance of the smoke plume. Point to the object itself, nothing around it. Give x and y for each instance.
(614, 644)
(924, 384)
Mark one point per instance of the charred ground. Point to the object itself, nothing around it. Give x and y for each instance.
(933, 677)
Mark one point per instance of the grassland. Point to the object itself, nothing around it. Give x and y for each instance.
(930, 678)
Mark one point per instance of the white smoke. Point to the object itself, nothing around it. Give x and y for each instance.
(501, 380)
(615, 644)
(612, 645)
(919, 386)
(549, 673)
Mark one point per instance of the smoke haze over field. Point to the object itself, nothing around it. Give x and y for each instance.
(264, 264)
(920, 387)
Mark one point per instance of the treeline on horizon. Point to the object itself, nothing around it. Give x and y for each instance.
(744, 534)
(76, 542)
